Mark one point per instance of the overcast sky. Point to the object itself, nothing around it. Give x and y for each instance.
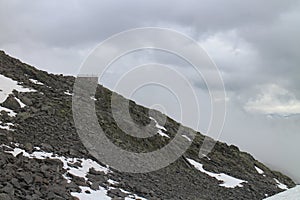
(255, 44)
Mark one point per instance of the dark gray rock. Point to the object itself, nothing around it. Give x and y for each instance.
(95, 172)
(4, 116)
(47, 147)
(97, 178)
(28, 147)
(23, 116)
(26, 100)
(116, 193)
(4, 196)
(11, 103)
(8, 189)
(72, 187)
(15, 183)
(95, 185)
(80, 181)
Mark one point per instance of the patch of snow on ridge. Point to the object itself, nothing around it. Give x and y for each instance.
(86, 164)
(92, 195)
(186, 137)
(36, 82)
(20, 102)
(7, 85)
(281, 185)
(6, 126)
(93, 98)
(131, 196)
(161, 133)
(101, 194)
(260, 171)
(157, 125)
(291, 194)
(9, 111)
(228, 181)
(68, 93)
(80, 170)
(205, 156)
(110, 181)
(161, 129)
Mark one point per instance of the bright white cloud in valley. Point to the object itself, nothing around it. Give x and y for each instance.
(274, 99)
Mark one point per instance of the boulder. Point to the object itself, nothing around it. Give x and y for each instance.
(26, 100)
(11, 103)
(4, 196)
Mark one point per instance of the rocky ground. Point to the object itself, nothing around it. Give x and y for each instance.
(42, 156)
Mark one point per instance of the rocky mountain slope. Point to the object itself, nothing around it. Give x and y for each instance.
(42, 156)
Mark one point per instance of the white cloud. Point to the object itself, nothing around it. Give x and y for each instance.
(274, 99)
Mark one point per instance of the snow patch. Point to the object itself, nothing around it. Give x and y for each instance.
(7, 85)
(36, 82)
(20, 102)
(205, 156)
(260, 171)
(186, 137)
(92, 195)
(161, 133)
(6, 126)
(281, 185)
(112, 182)
(93, 98)
(291, 194)
(68, 93)
(157, 125)
(89, 194)
(161, 129)
(132, 196)
(9, 111)
(86, 164)
(228, 181)
(80, 171)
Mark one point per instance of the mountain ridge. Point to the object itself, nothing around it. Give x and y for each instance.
(46, 122)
